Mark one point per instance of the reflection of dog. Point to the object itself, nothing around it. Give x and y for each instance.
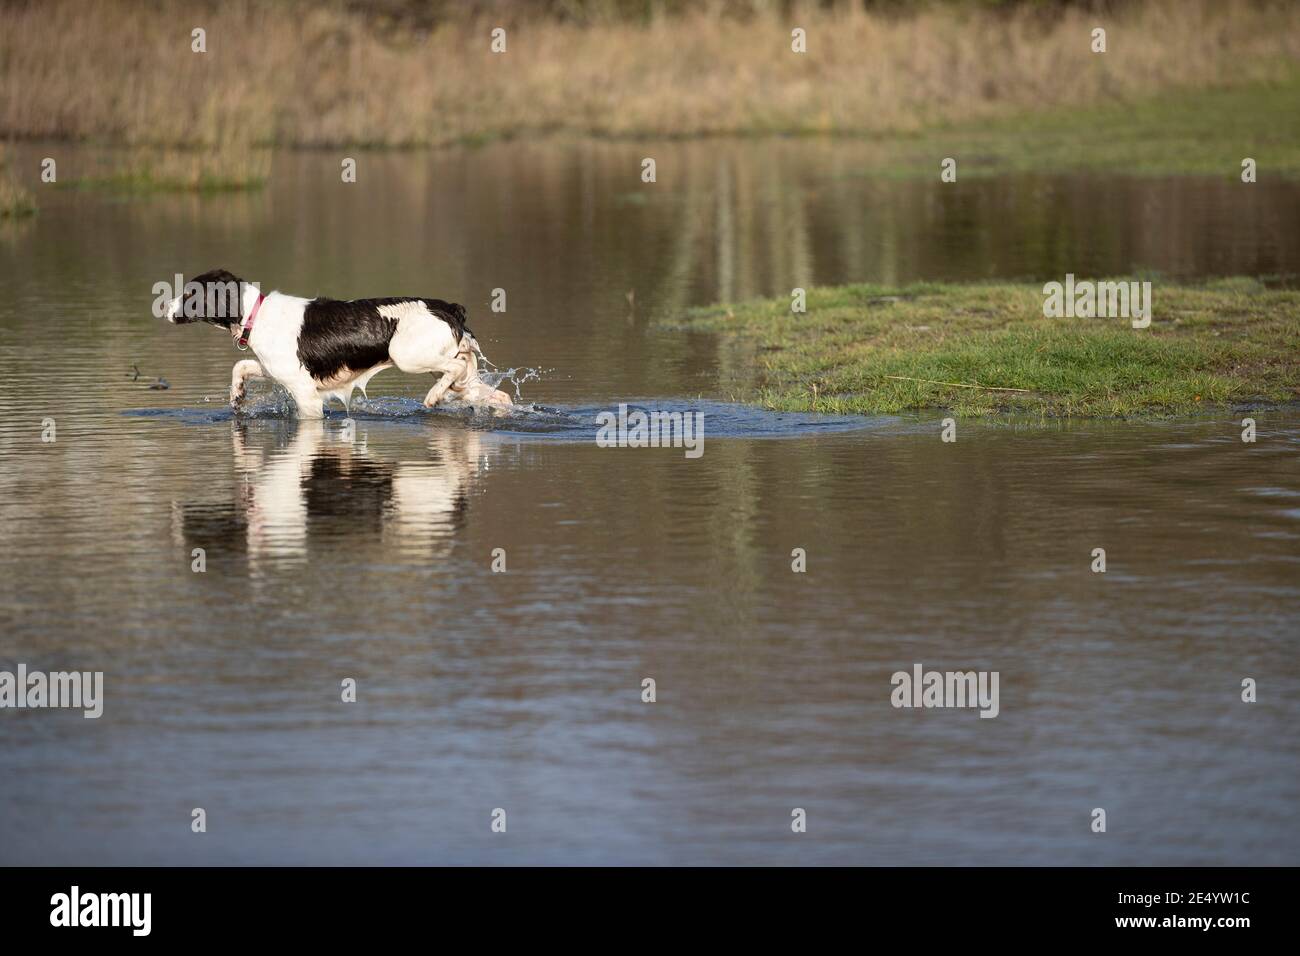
(318, 483)
(325, 348)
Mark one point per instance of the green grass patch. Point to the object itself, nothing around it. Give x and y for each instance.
(873, 349)
(144, 170)
(145, 181)
(15, 201)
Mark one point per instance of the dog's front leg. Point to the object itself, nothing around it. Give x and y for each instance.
(309, 402)
(473, 389)
(239, 377)
(452, 371)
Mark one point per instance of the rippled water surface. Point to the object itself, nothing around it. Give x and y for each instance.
(366, 552)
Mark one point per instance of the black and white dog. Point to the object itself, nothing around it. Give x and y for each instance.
(325, 348)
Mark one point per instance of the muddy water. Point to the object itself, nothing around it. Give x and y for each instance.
(367, 554)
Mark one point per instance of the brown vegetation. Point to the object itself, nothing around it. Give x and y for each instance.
(343, 74)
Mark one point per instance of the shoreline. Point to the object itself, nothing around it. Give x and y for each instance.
(1177, 134)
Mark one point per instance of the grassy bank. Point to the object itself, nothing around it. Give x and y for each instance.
(297, 74)
(229, 167)
(870, 349)
(15, 200)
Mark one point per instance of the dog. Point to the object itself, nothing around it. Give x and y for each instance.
(321, 348)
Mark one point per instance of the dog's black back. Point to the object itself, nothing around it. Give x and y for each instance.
(353, 334)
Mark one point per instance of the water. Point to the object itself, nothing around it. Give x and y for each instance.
(370, 558)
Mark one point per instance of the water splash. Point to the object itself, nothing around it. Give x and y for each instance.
(494, 376)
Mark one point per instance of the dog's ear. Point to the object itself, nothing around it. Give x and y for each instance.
(216, 275)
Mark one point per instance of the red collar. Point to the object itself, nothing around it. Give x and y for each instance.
(247, 328)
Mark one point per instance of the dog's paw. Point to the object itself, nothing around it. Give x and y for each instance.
(236, 397)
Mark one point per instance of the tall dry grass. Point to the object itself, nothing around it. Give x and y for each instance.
(302, 74)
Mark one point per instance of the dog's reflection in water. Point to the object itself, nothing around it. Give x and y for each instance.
(299, 483)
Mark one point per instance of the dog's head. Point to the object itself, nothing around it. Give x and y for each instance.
(215, 297)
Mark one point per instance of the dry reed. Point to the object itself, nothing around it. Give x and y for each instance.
(305, 75)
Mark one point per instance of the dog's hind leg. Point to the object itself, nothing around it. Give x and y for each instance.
(239, 377)
(426, 344)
